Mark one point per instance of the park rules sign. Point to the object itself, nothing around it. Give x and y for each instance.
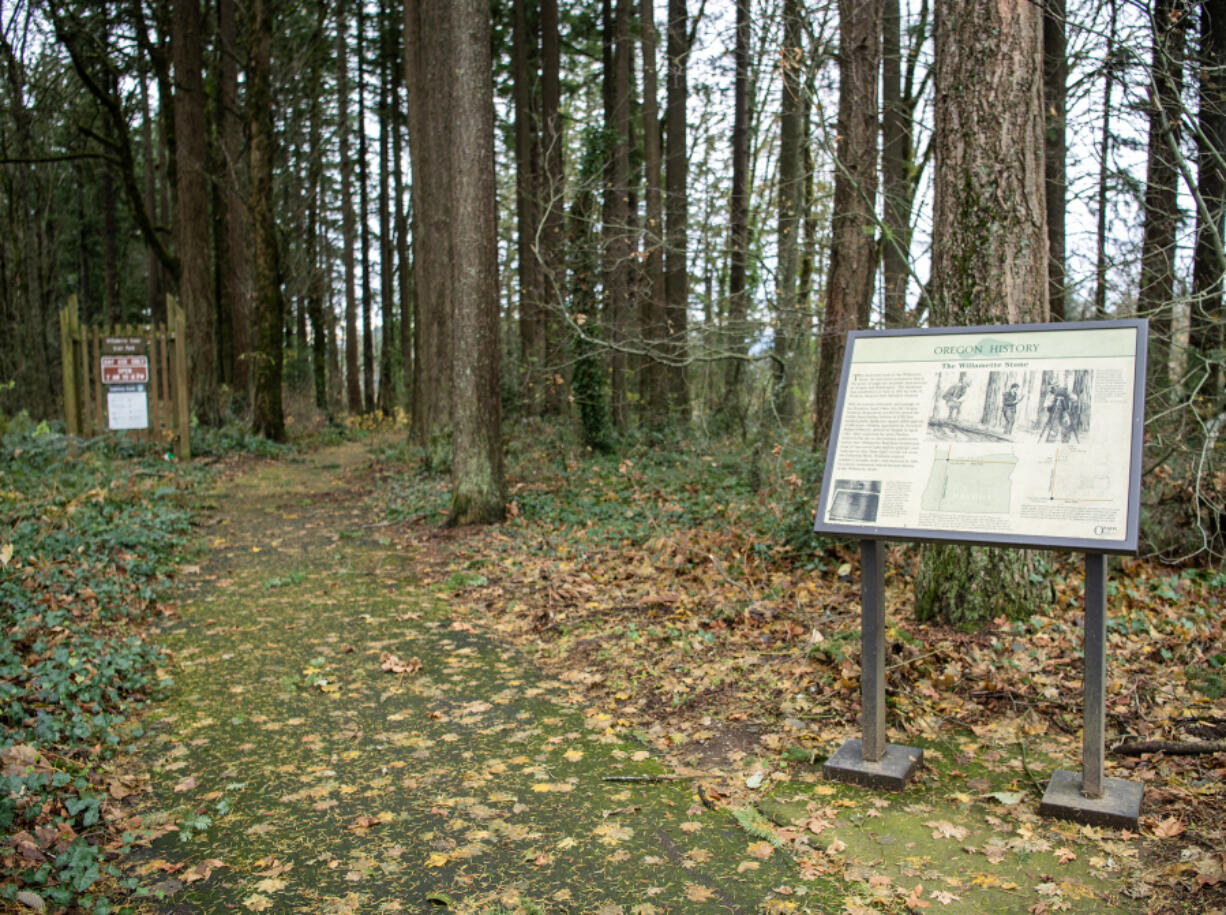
(1015, 434)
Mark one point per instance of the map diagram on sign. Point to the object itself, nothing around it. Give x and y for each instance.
(1074, 476)
(970, 483)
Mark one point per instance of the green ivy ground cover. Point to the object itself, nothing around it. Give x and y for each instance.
(86, 543)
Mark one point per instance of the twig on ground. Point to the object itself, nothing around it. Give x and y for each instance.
(1170, 747)
(647, 778)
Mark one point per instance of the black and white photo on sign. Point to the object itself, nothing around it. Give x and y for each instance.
(855, 500)
(990, 405)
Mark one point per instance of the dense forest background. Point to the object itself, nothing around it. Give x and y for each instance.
(641, 219)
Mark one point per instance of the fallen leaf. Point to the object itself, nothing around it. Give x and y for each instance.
(696, 892)
(393, 664)
(6, 553)
(186, 785)
(270, 885)
(916, 901)
(257, 903)
(201, 871)
(1169, 828)
(1064, 855)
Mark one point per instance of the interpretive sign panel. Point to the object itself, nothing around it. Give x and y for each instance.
(1013, 434)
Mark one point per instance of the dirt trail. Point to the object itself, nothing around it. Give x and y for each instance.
(304, 776)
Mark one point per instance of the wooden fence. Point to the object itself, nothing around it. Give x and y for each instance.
(85, 397)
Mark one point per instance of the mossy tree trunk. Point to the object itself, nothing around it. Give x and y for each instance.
(478, 490)
(989, 248)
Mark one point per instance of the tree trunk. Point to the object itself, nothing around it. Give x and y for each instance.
(617, 208)
(235, 274)
(524, 55)
(735, 331)
(989, 258)
(850, 287)
(478, 493)
(192, 211)
(404, 273)
(430, 147)
(353, 382)
(553, 187)
(1157, 288)
(1055, 90)
(1104, 167)
(653, 376)
(368, 340)
(791, 201)
(1206, 340)
(676, 208)
(317, 283)
(387, 250)
(268, 418)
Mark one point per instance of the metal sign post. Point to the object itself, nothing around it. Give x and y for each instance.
(869, 760)
(1093, 798)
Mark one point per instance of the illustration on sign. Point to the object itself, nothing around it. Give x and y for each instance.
(1012, 434)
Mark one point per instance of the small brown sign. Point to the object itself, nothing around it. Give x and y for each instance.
(125, 369)
(123, 346)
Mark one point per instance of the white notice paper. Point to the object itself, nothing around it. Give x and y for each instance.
(127, 406)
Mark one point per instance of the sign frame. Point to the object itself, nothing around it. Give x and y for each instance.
(1129, 543)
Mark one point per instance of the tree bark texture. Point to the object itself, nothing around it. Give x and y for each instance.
(478, 493)
(849, 290)
(618, 211)
(790, 204)
(427, 26)
(387, 250)
(368, 340)
(353, 382)
(192, 211)
(989, 247)
(525, 53)
(653, 377)
(234, 295)
(676, 208)
(1207, 331)
(736, 332)
(1055, 92)
(1157, 290)
(268, 416)
(553, 215)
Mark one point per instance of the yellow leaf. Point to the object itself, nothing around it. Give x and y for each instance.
(437, 859)
(270, 885)
(573, 755)
(6, 553)
(747, 866)
(257, 903)
(696, 892)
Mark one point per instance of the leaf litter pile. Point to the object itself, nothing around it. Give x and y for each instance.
(620, 700)
(674, 592)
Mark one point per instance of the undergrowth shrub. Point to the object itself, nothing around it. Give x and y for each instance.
(86, 542)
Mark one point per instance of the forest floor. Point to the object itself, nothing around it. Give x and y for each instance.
(620, 701)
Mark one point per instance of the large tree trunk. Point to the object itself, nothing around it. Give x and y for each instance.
(1104, 169)
(617, 204)
(553, 180)
(430, 146)
(1206, 339)
(317, 281)
(791, 200)
(652, 379)
(234, 293)
(1055, 90)
(1157, 290)
(850, 287)
(353, 382)
(368, 340)
(192, 211)
(478, 494)
(387, 250)
(735, 330)
(524, 56)
(676, 208)
(989, 253)
(268, 418)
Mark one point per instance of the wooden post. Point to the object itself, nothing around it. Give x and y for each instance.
(151, 344)
(68, 360)
(95, 364)
(178, 321)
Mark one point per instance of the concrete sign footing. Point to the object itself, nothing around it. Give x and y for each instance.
(891, 772)
(1118, 808)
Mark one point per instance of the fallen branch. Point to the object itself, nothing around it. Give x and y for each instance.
(647, 778)
(1170, 747)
